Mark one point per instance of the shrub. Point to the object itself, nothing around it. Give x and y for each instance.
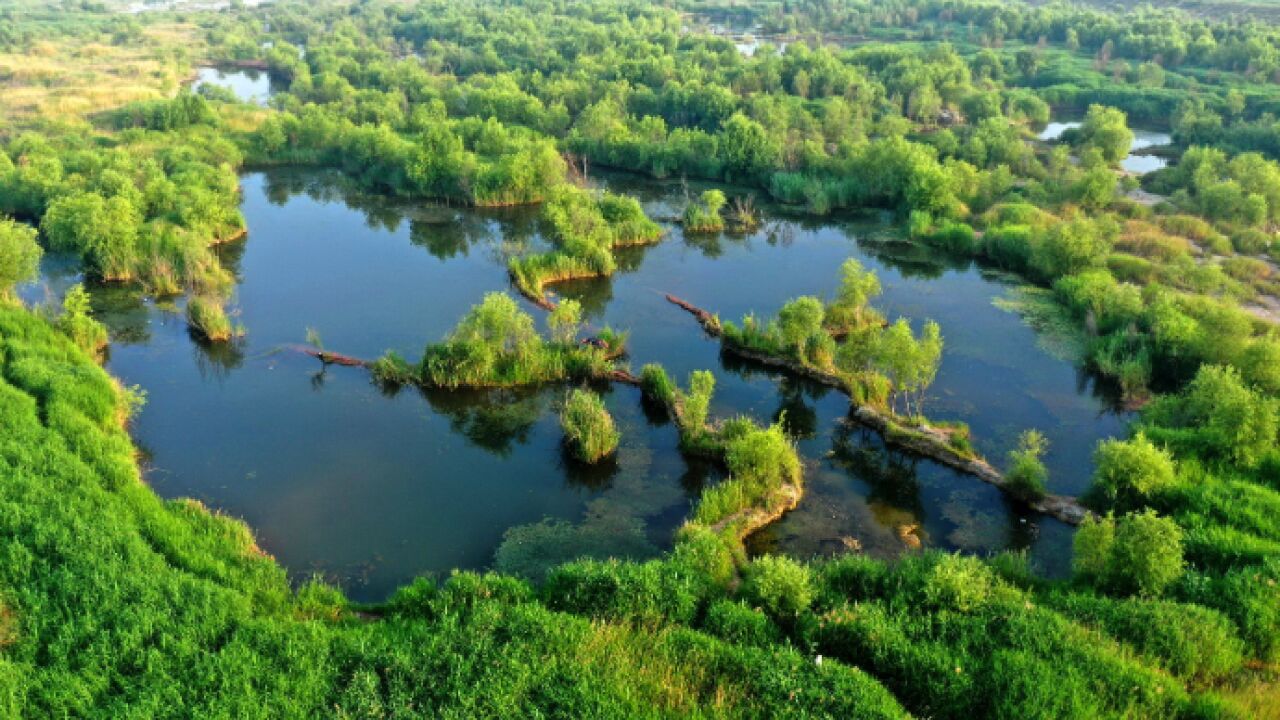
(1218, 417)
(703, 216)
(958, 583)
(657, 384)
(1190, 641)
(588, 427)
(1141, 553)
(780, 586)
(1128, 473)
(1249, 596)
(1027, 474)
(739, 624)
(650, 592)
(392, 369)
(696, 403)
(77, 322)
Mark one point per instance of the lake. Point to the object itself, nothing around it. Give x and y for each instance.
(339, 478)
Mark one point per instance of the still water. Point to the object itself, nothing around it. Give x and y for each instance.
(338, 478)
(248, 85)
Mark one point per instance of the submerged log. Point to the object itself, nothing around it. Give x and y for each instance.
(329, 358)
(922, 440)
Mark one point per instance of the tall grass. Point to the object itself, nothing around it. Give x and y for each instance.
(588, 426)
(207, 317)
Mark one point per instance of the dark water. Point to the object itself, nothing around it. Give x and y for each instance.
(337, 477)
(248, 85)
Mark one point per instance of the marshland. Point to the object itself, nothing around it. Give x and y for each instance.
(587, 359)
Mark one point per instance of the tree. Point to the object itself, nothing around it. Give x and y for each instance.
(565, 321)
(799, 320)
(1069, 248)
(1028, 61)
(1096, 188)
(911, 365)
(102, 230)
(746, 147)
(858, 286)
(1106, 129)
(19, 255)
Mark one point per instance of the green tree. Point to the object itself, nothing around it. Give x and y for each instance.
(102, 230)
(746, 148)
(858, 287)
(565, 321)
(799, 320)
(1107, 130)
(19, 255)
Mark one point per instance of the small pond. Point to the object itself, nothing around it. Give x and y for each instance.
(339, 478)
(247, 84)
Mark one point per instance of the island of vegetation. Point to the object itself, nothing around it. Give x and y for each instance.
(115, 602)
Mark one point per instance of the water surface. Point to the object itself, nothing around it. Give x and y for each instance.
(340, 478)
(247, 84)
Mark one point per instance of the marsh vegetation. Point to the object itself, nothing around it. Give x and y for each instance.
(866, 181)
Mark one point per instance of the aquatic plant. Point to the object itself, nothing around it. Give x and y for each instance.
(703, 216)
(588, 428)
(207, 317)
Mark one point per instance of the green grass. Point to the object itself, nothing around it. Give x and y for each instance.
(588, 428)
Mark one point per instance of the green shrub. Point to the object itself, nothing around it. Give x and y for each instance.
(1217, 417)
(392, 369)
(588, 427)
(651, 592)
(1249, 596)
(77, 322)
(1027, 475)
(780, 586)
(1141, 553)
(959, 584)
(703, 216)
(1129, 473)
(739, 624)
(1190, 641)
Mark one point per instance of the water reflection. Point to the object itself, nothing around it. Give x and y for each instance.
(244, 84)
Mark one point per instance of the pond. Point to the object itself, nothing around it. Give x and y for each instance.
(369, 489)
(247, 84)
(1136, 161)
